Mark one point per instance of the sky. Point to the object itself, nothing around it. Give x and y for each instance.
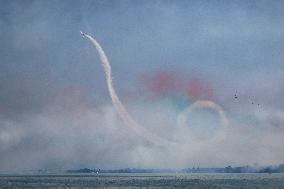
(56, 113)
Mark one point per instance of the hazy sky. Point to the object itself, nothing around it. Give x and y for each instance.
(55, 111)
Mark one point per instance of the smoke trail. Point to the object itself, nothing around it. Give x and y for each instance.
(182, 117)
(123, 114)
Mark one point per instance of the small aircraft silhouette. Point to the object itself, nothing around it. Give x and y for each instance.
(83, 34)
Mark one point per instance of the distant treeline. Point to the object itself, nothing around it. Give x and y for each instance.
(244, 169)
(229, 169)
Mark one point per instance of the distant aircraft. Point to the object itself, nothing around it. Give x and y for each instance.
(83, 34)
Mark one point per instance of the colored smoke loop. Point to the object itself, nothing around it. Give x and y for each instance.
(203, 104)
(129, 121)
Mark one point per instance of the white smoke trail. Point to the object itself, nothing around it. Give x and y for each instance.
(123, 114)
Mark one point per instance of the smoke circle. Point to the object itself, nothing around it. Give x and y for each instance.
(182, 117)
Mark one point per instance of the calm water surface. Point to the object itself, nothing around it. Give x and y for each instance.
(252, 181)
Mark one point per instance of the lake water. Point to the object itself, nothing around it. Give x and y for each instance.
(251, 181)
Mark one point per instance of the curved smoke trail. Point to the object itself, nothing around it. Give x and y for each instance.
(207, 104)
(204, 104)
(123, 114)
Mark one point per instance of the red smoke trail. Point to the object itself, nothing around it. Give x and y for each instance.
(168, 82)
(199, 89)
(161, 83)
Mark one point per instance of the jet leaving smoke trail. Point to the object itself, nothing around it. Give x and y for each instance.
(124, 115)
